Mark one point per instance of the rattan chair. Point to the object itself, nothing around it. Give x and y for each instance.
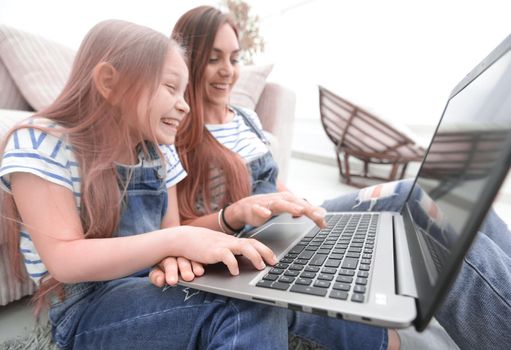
(358, 133)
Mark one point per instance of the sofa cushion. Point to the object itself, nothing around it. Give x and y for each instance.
(11, 96)
(250, 85)
(38, 66)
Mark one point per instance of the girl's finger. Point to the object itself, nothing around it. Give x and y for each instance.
(265, 252)
(247, 249)
(226, 256)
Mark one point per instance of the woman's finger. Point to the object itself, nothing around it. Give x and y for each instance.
(316, 214)
(283, 205)
(260, 214)
(157, 277)
(169, 266)
(185, 269)
(198, 268)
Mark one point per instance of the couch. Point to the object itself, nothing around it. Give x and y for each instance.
(34, 69)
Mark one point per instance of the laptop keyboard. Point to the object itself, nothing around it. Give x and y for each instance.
(438, 252)
(334, 262)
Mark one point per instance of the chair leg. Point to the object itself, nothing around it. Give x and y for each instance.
(339, 165)
(393, 171)
(403, 170)
(347, 168)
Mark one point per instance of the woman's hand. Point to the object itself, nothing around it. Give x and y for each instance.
(169, 269)
(256, 210)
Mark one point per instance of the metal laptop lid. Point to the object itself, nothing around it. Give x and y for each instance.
(466, 163)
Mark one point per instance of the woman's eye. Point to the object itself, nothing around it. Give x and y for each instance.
(213, 59)
(170, 87)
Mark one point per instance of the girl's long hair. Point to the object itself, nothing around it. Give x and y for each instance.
(198, 149)
(95, 128)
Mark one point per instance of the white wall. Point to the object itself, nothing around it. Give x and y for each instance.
(397, 58)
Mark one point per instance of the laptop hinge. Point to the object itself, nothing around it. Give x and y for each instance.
(405, 281)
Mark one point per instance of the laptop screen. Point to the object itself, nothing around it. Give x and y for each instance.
(459, 177)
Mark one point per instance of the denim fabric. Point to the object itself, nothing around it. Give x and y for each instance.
(131, 313)
(264, 171)
(477, 309)
(144, 205)
(327, 332)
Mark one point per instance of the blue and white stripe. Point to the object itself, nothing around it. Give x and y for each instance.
(50, 157)
(238, 137)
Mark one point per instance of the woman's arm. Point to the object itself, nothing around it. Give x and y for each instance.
(281, 187)
(257, 209)
(48, 212)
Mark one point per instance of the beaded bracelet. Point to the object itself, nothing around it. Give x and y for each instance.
(222, 214)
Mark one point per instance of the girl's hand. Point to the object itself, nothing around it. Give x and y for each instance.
(205, 246)
(169, 269)
(256, 210)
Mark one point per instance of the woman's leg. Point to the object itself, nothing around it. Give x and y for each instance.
(389, 196)
(479, 302)
(331, 333)
(133, 314)
(477, 309)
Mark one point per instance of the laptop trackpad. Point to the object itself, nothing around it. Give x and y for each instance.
(279, 236)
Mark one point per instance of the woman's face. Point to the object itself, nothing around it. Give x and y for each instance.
(222, 69)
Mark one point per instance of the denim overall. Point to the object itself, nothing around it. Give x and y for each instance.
(264, 170)
(144, 207)
(131, 313)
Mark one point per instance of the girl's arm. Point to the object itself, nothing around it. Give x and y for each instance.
(173, 266)
(48, 212)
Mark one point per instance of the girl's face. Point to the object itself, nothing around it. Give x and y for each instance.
(167, 107)
(222, 70)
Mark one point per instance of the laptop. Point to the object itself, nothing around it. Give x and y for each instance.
(392, 269)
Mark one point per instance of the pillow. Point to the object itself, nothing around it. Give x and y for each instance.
(39, 67)
(11, 97)
(250, 85)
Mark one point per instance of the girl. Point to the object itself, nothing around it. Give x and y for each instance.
(90, 183)
(239, 164)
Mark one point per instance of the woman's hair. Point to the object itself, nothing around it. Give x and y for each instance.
(95, 128)
(199, 150)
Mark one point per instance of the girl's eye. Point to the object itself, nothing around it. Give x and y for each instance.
(170, 87)
(235, 60)
(213, 60)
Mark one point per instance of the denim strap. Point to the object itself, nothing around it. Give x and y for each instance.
(250, 123)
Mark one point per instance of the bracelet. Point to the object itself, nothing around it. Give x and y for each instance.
(219, 216)
(222, 212)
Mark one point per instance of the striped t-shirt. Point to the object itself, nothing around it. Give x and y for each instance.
(238, 137)
(50, 157)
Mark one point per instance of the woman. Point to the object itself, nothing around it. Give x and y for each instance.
(227, 162)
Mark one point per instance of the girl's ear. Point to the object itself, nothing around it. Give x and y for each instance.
(105, 77)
